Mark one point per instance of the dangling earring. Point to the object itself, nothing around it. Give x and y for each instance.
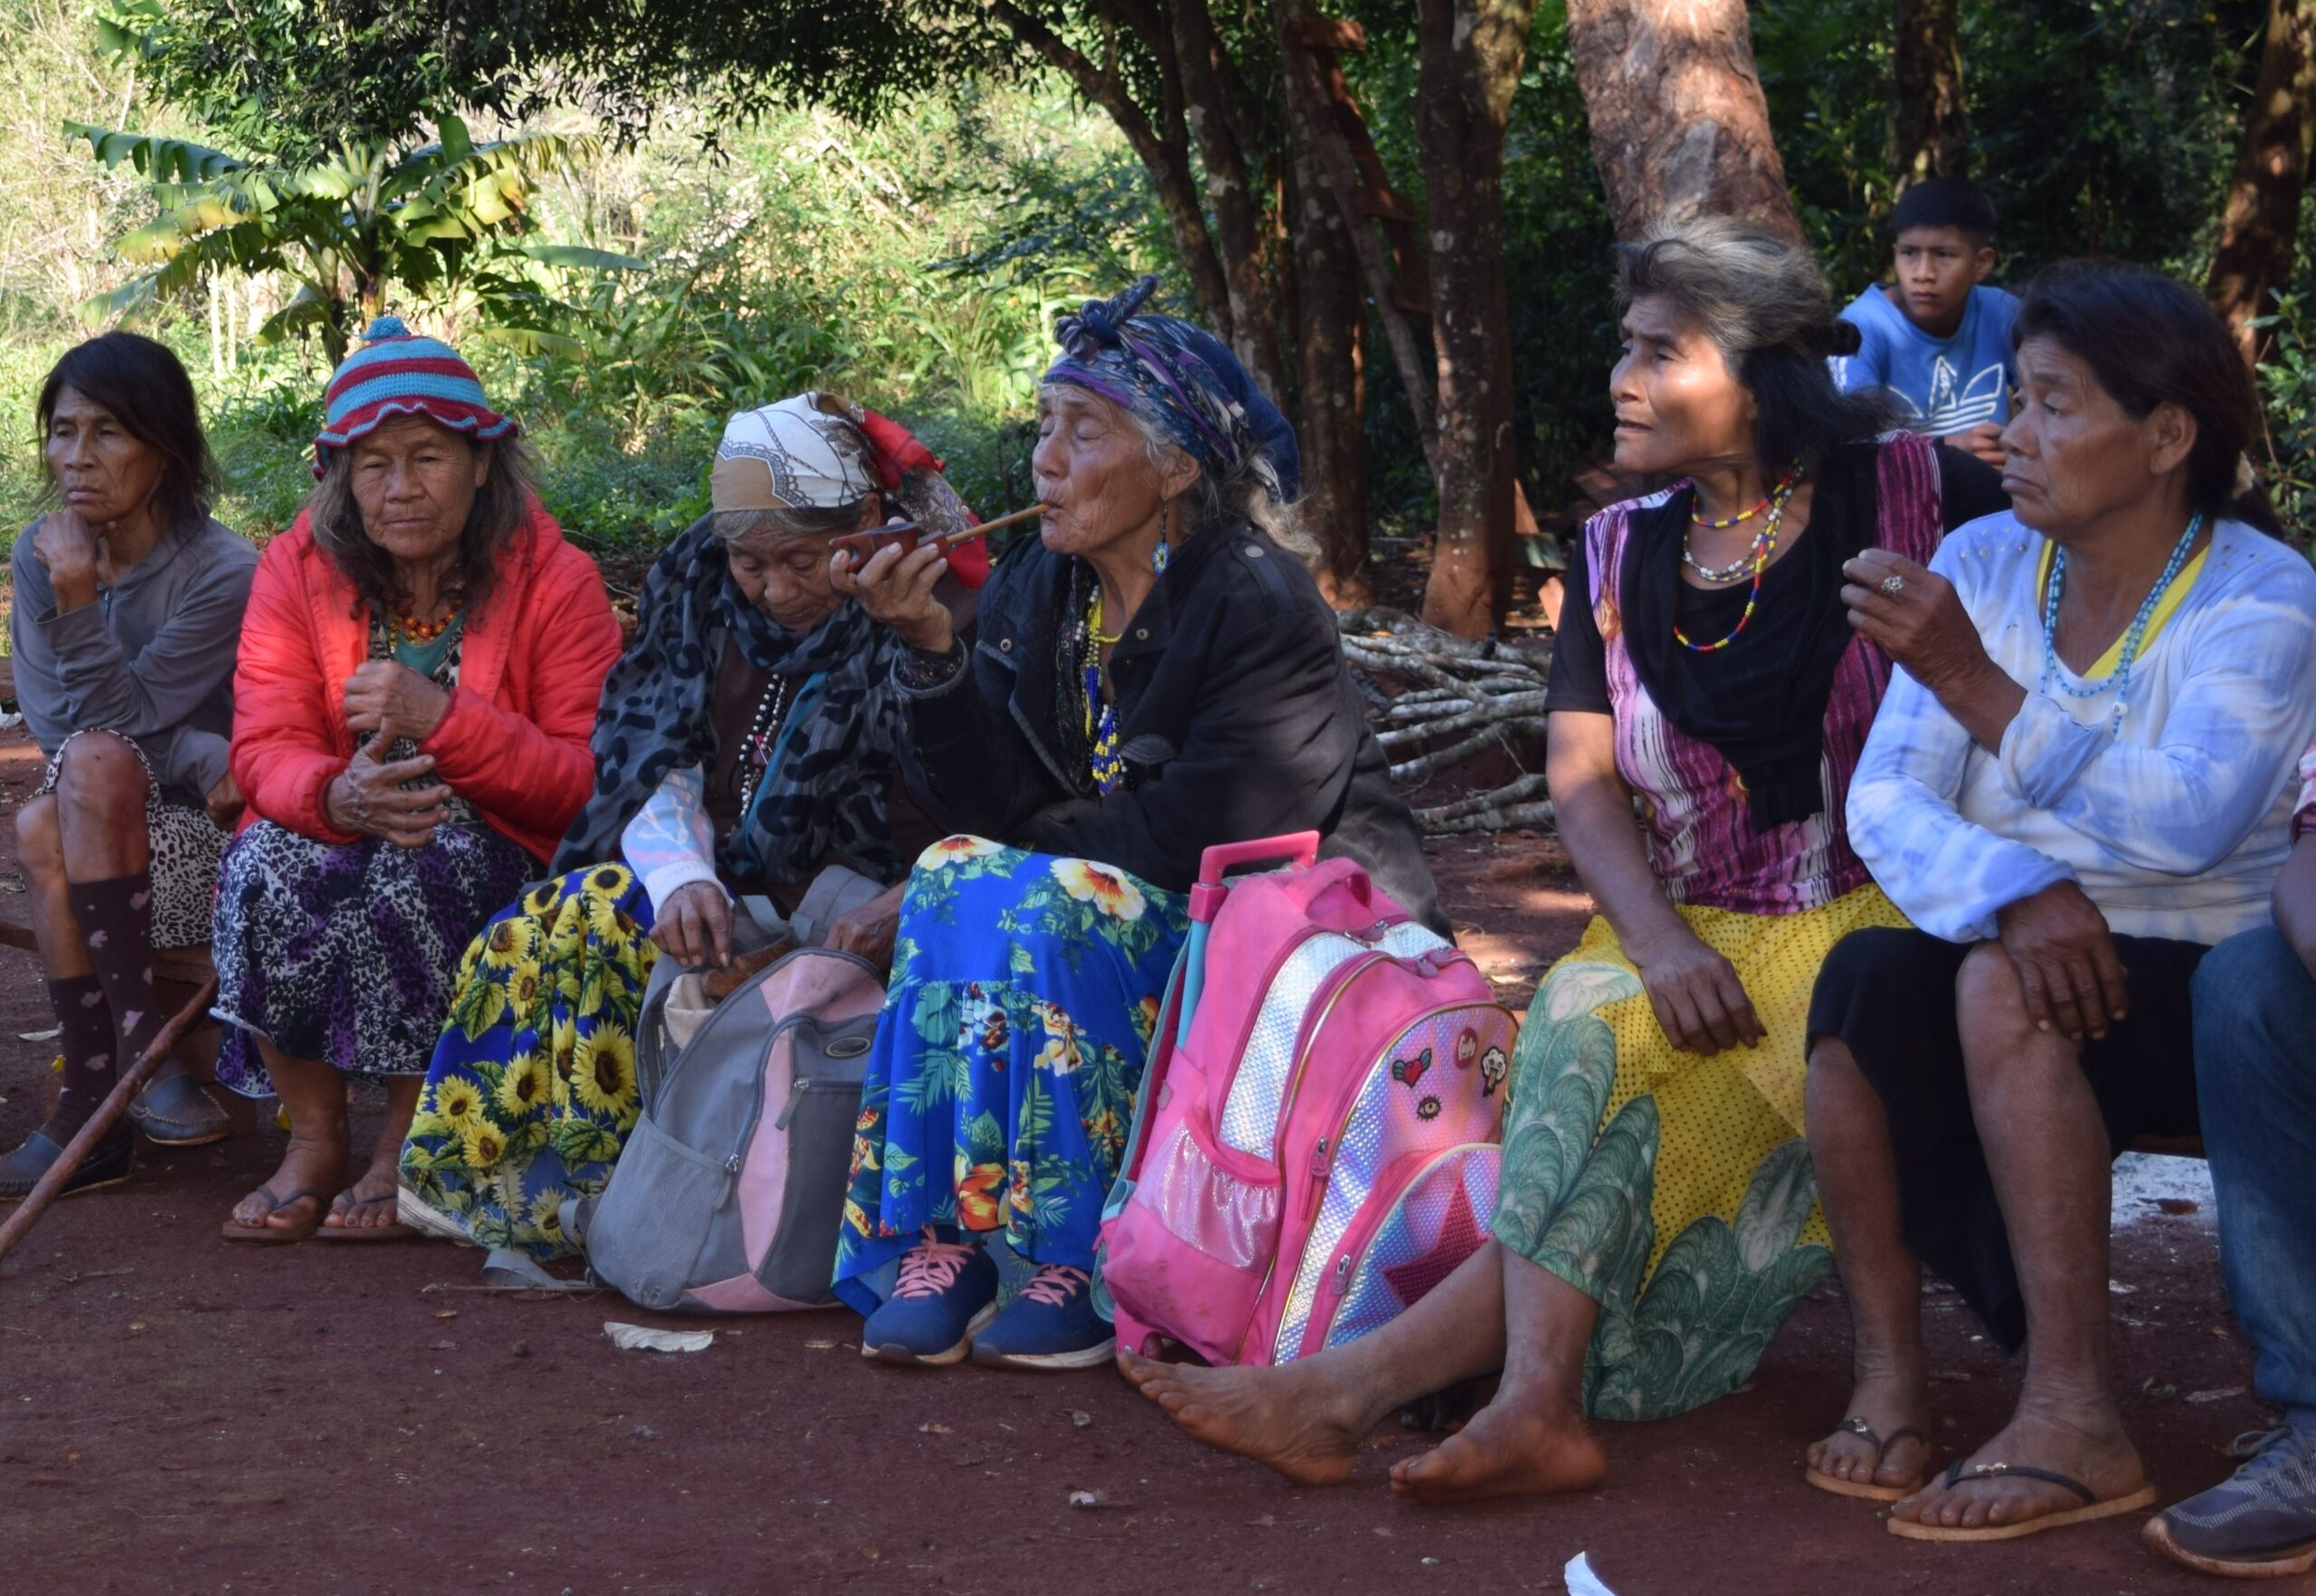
(1158, 555)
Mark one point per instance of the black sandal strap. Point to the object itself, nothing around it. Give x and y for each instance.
(1881, 1444)
(1954, 1476)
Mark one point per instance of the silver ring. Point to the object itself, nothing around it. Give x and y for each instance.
(1893, 584)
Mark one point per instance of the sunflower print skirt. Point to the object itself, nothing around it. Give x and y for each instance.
(1673, 1190)
(1001, 1089)
(532, 1090)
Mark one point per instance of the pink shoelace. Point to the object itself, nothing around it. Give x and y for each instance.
(1054, 1285)
(931, 1267)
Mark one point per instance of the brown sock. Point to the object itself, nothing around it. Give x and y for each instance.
(116, 920)
(85, 1037)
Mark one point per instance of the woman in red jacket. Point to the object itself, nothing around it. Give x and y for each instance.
(417, 679)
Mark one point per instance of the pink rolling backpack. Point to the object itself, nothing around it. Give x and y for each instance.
(1315, 1147)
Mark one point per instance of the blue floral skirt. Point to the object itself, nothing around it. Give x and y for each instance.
(532, 1089)
(1001, 1087)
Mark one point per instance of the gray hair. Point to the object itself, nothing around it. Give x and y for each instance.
(770, 525)
(1762, 301)
(1214, 501)
(502, 508)
(1749, 288)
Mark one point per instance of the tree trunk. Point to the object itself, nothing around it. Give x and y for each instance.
(1234, 190)
(1933, 140)
(1680, 128)
(2262, 218)
(1330, 377)
(1469, 63)
(1337, 142)
(1161, 147)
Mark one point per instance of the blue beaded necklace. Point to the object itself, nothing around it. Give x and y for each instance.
(2120, 681)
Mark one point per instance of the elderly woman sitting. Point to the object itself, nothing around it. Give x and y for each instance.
(1655, 1221)
(129, 599)
(1155, 673)
(747, 748)
(418, 674)
(2078, 785)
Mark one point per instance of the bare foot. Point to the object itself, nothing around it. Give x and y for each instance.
(1885, 1405)
(1275, 1416)
(1508, 1450)
(2084, 1444)
(310, 1165)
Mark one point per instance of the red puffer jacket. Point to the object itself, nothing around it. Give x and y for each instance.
(515, 741)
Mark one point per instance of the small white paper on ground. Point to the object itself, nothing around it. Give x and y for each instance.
(635, 1337)
(1579, 1579)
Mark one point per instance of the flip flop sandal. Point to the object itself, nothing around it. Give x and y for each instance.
(1866, 1488)
(396, 1232)
(2091, 1508)
(264, 1234)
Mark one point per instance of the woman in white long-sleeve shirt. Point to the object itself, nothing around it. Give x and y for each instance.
(2077, 785)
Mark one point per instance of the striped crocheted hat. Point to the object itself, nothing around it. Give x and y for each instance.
(399, 373)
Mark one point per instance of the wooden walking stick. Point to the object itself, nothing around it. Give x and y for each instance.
(43, 1192)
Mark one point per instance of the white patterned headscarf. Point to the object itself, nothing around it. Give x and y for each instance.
(807, 451)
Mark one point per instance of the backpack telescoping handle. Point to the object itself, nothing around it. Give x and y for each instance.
(1299, 848)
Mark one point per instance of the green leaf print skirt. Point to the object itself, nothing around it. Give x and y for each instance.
(1673, 1189)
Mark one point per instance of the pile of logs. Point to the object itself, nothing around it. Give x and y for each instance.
(1459, 699)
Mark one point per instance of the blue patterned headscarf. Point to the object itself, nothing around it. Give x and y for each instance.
(1185, 380)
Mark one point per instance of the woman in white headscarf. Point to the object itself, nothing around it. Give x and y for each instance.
(746, 749)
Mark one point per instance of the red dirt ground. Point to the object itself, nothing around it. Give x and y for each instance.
(179, 1415)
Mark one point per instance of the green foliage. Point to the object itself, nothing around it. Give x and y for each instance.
(2100, 127)
(296, 78)
(442, 224)
(2288, 385)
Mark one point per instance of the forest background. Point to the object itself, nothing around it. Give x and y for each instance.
(682, 227)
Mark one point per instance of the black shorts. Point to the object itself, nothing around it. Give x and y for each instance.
(1889, 996)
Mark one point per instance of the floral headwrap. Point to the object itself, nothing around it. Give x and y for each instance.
(1185, 380)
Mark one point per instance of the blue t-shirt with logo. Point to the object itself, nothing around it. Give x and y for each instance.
(1940, 386)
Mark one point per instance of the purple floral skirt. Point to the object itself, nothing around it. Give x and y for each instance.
(348, 953)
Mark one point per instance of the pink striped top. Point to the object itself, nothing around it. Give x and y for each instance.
(1702, 842)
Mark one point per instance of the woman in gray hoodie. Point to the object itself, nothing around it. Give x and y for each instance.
(128, 610)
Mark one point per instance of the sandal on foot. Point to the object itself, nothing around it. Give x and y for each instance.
(1866, 1487)
(396, 1232)
(2091, 1508)
(265, 1234)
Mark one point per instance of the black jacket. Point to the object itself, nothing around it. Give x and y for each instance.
(1236, 719)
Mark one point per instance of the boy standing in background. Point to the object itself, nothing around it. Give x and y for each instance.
(1938, 338)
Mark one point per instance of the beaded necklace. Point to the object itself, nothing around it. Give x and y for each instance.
(1738, 519)
(408, 628)
(2120, 681)
(1739, 566)
(755, 749)
(1103, 762)
(1764, 549)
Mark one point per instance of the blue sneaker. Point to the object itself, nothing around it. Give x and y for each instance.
(2258, 1523)
(947, 1292)
(1051, 1324)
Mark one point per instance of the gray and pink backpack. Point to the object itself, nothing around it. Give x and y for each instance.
(729, 1192)
(1316, 1143)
